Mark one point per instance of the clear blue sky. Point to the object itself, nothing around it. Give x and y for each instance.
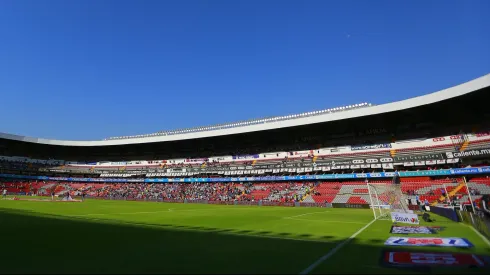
(93, 69)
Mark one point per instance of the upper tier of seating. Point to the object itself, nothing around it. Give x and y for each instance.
(431, 151)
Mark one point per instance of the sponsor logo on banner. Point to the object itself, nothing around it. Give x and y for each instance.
(424, 259)
(358, 161)
(196, 160)
(370, 147)
(395, 229)
(404, 217)
(419, 157)
(482, 134)
(371, 161)
(333, 163)
(350, 205)
(438, 139)
(246, 157)
(456, 160)
(118, 163)
(403, 211)
(419, 241)
(386, 160)
(387, 165)
(469, 153)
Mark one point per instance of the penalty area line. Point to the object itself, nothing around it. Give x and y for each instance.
(324, 221)
(290, 217)
(334, 250)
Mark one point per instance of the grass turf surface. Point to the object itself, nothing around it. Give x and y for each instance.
(146, 237)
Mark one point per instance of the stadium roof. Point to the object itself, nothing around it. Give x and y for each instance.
(248, 122)
(276, 123)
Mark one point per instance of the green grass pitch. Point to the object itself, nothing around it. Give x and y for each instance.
(147, 237)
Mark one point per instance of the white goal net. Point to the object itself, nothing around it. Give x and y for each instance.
(386, 198)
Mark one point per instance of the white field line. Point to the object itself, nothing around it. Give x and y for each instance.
(479, 234)
(334, 250)
(326, 221)
(290, 217)
(276, 237)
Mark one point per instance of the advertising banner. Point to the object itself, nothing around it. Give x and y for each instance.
(419, 157)
(404, 218)
(446, 172)
(445, 212)
(246, 157)
(371, 147)
(469, 153)
(396, 229)
(419, 241)
(350, 205)
(423, 259)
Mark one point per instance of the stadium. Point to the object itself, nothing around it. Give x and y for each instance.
(306, 193)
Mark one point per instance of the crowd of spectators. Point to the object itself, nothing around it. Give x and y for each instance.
(285, 192)
(175, 191)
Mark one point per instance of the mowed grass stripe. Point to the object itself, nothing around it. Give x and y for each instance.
(206, 245)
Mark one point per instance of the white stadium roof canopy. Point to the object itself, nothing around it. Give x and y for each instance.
(268, 124)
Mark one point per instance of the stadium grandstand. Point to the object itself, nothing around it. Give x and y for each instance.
(194, 181)
(316, 158)
(244, 137)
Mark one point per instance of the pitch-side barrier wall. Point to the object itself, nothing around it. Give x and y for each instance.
(449, 213)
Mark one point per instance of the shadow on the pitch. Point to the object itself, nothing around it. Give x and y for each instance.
(40, 243)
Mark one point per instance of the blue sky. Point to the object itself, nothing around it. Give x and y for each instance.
(92, 69)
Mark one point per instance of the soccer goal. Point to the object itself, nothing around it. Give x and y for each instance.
(386, 198)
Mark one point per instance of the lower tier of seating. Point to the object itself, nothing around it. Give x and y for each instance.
(352, 192)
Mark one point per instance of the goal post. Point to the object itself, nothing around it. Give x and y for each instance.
(380, 207)
(386, 198)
